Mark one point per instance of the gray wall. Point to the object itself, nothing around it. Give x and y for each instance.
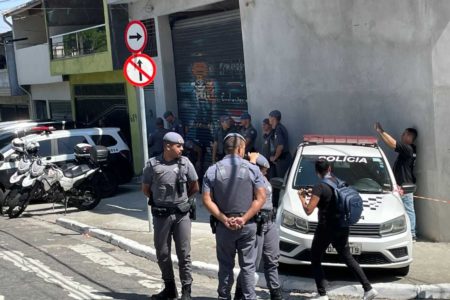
(336, 67)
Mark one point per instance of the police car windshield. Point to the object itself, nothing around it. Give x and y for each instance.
(366, 174)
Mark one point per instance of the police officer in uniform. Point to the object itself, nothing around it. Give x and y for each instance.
(169, 180)
(265, 148)
(174, 124)
(249, 132)
(268, 240)
(155, 139)
(280, 155)
(233, 192)
(226, 127)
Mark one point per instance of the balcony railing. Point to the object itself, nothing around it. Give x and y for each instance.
(77, 43)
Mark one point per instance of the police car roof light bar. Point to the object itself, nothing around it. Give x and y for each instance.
(46, 129)
(339, 139)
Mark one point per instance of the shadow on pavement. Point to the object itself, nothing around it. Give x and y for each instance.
(125, 296)
(339, 273)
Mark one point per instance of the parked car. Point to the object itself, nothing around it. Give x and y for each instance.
(381, 238)
(58, 147)
(12, 129)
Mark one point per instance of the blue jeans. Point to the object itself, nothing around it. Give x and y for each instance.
(408, 202)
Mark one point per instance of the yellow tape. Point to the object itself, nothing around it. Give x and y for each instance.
(433, 199)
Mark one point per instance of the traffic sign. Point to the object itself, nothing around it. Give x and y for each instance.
(139, 69)
(136, 36)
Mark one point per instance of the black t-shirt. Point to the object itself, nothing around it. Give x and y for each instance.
(328, 214)
(404, 164)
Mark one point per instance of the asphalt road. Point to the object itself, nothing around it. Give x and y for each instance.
(41, 260)
(45, 261)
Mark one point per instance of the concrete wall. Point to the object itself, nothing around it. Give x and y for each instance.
(336, 67)
(31, 27)
(37, 59)
(52, 91)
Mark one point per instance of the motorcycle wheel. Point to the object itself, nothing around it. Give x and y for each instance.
(89, 201)
(19, 204)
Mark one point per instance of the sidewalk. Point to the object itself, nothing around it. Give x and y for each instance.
(122, 221)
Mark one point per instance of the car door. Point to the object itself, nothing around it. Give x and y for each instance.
(64, 148)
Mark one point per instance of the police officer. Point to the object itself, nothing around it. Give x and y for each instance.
(169, 180)
(268, 240)
(226, 127)
(174, 124)
(249, 132)
(279, 148)
(233, 192)
(155, 139)
(265, 148)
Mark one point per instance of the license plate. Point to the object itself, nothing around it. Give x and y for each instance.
(355, 249)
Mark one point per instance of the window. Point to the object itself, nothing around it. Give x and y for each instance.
(365, 174)
(45, 148)
(104, 140)
(66, 145)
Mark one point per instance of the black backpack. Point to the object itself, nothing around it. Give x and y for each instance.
(348, 202)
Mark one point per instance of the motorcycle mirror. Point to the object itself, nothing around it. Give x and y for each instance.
(2, 159)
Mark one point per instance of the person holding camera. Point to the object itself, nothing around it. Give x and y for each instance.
(234, 192)
(169, 181)
(403, 166)
(329, 231)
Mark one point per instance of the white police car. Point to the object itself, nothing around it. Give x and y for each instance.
(381, 239)
(58, 147)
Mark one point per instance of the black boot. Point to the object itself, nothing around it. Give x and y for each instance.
(238, 295)
(275, 294)
(186, 292)
(168, 293)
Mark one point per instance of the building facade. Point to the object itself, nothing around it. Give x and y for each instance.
(330, 67)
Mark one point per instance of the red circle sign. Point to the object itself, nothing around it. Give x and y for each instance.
(136, 36)
(139, 70)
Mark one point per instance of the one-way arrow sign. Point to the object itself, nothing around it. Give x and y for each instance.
(136, 36)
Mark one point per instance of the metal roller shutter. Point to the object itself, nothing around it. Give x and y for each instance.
(210, 73)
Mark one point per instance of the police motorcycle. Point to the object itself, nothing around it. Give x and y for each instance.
(25, 154)
(73, 184)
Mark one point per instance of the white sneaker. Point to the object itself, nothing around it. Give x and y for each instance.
(370, 294)
(318, 297)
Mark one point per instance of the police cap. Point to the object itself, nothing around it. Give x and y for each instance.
(167, 114)
(224, 118)
(261, 161)
(246, 116)
(173, 138)
(275, 114)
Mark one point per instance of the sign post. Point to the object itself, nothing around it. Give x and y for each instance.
(139, 70)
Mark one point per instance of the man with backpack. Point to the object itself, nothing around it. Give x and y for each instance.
(333, 226)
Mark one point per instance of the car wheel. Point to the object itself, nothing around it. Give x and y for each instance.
(402, 271)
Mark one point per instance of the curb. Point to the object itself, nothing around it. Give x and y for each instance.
(338, 289)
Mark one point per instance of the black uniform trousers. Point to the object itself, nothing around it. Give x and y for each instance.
(338, 237)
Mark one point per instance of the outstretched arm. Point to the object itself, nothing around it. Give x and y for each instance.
(386, 137)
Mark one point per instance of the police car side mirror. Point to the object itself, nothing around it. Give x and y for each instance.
(277, 183)
(409, 188)
(48, 158)
(2, 159)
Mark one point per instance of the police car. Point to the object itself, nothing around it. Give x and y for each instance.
(381, 238)
(58, 147)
